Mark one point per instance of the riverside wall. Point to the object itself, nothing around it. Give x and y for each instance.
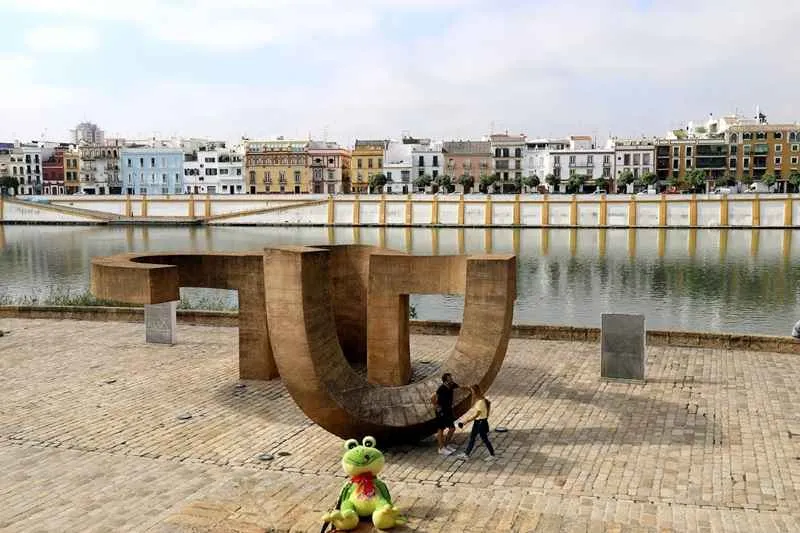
(755, 343)
(418, 210)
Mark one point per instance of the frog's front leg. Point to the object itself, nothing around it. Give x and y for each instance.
(386, 515)
(345, 518)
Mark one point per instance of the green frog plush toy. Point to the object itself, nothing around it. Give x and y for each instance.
(363, 495)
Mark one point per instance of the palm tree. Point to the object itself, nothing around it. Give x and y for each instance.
(794, 179)
(768, 180)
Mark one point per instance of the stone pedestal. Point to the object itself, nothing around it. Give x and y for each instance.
(622, 347)
(160, 321)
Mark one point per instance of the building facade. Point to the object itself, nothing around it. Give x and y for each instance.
(151, 170)
(329, 167)
(426, 159)
(99, 169)
(755, 150)
(636, 157)
(366, 161)
(214, 169)
(585, 161)
(277, 166)
(88, 133)
(25, 161)
(507, 157)
(398, 167)
(53, 172)
(467, 159)
(72, 159)
(537, 161)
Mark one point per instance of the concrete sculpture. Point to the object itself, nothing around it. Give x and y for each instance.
(312, 313)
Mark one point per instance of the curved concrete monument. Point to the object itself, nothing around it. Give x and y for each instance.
(329, 307)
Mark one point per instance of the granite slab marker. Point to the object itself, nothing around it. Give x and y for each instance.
(160, 322)
(622, 347)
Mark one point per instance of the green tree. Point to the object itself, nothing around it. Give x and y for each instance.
(575, 183)
(377, 182)
(649, 178)
(423, 181)
(695, 179)
(488, 181)
(444, 182)
(728, 179)
(768, 180)
(9, 183)
(601, 183)
(531, 182)
(746, 179)
(675, 181)
(552, 180)
(466, 181)
(625, 178)
(794, 179)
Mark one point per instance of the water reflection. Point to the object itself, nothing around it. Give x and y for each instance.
(715, 280)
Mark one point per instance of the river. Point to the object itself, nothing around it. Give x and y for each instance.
(737, 281)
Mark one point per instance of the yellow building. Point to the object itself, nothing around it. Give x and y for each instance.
(72, 170)
(759, 149)
(365, 162)
(277, 166)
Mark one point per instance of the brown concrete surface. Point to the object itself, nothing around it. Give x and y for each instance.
(90, 440)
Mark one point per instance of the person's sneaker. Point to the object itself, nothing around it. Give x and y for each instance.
(445, 451)
(451, 448)
(491, 459)
(462, 456)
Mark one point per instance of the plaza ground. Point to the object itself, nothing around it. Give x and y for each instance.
(100, 432)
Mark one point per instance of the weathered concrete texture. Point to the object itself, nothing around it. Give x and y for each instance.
(90, 440)
(316, 372)
(160, 323)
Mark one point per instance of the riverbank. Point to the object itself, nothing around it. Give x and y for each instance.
(693, 339)
(417, 210)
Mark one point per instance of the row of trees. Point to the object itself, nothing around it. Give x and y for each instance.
(9, 183)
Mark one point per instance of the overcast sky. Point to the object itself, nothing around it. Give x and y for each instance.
(377, 68)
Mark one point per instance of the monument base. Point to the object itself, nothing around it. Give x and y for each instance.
(623, 356)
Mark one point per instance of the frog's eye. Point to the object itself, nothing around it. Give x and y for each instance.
(350, 444)
(369, 442)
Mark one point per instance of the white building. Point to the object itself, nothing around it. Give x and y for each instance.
(638, 157)
(398, 166)
(88, 133)
(213, 168)
(583, 158)
(99, 169)
(25, 164)
(427, 159)
(537, 161)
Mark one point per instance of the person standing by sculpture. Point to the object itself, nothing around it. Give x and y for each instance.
(445, 418)
(479, 415)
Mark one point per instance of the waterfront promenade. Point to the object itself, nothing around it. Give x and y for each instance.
(95, 435)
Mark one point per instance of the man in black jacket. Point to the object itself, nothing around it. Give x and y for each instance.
(445, 418)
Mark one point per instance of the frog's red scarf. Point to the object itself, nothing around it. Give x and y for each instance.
(365, 484)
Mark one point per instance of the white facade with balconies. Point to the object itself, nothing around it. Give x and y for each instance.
(213, 169)
(398, 166)
(584, 159)
(99, 169)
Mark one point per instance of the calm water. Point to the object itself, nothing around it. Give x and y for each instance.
(703, 280)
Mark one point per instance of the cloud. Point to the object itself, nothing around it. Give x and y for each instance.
(59, 39)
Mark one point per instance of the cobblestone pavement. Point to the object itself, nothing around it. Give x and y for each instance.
(95, 436)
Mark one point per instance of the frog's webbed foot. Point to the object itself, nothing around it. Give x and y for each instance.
(344, 520)
(387, 517)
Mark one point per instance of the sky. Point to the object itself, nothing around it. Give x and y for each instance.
(346, 69)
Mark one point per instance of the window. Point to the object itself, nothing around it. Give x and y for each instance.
(518, 152)
(436, 160)
(223, 171)
(572, 160)
(606, 159)
(676, 151)
(589, 160)
(636, 159)
(505, 152)
(688, 151)
(688, 163)
(331, 175)
(793, 136)
(778, 148)
(778, 135)
(141, 162)
(421, 173)
(253, 176)
(129, 162)
(747, 136)
(388, 176)
(732, 162)
(163, 178)
(369, 163)
(380, 162)
(746, 162)
(267, 177)
(746, 148)
(556, 160)
(734, 149)
(152, 162)
(606, 172)
(733, 138)
(282, 176)
(796, 148)
(358, 163)
(794, 160)
(297, 176)
(675, 164)
(626, 159)
(421, 161)
(646, 159)
(497, 152)
(777, 161)
(208, 160)
(761, 135)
